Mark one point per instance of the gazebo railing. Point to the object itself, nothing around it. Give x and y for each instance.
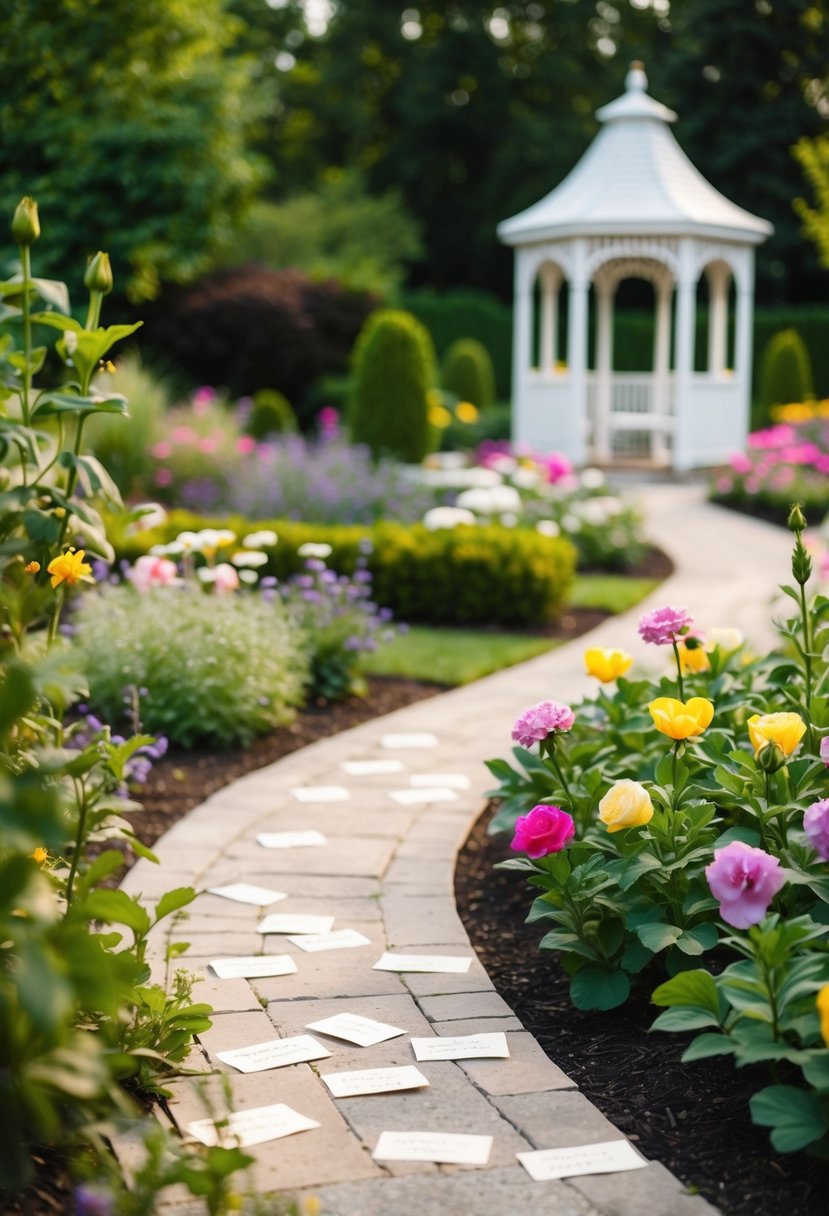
(630, 414)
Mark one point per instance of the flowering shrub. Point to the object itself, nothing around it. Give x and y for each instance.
(783, 462)
(699, 808)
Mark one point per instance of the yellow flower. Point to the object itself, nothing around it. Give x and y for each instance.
(439, 417)
(823, 1009)
(784, 729)
(681, 719)
(31, 568)
(627, 804)
(40, 855)
(607, 665)
(465, 411)
(69, 567)
(692, 658)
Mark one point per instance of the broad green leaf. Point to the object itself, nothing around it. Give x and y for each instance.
(796, 1117)
(706, 1045)
(658, 937)
(695, 988)
(117, 907)
(171, 901)
(684, 1018)
(698, 939)
(596, 987)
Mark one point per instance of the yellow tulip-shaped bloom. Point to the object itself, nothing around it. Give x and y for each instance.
(681, 719)
(627, 804)
(823, 1010)
(784, 729)
(607, 665)
(69, 567)
(692, 658)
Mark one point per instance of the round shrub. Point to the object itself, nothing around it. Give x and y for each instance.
(210, 669)
(468, 373)
(785, 371)
(270, 414)
(394, 368)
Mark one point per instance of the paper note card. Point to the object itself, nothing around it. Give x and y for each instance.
(340, 939)
(415, 739)
(413, 797)
(253, 1126)
(609, 1157)
(463, 1047)
(274, 1054)
(293, 922)
(321, 793)
(290, 840)
(433, 1146)
(422, 962)
(372, 768)
(253, 966)
(356, 1029)
(246, 893)
(451, 781)
(374, 1081)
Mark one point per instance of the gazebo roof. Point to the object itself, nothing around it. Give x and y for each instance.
(634, 179)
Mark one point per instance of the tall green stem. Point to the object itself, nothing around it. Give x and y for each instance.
(807, 655)
(80, 794)
(26, 268)
(678, 670)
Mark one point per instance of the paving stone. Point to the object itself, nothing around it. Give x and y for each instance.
(464, 1005)
(291, 1016)
(368, 814)
(427, 875)
(416, 920)
(653, 1190)
(232, 1030)
(422, 984)
(561, 1119)
(495, 1192)
(528, 1070)
(226, 996)
(365, 856)
(482, 1025)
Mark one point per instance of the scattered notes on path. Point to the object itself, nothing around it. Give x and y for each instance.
(253, 966)
(294, 922)
(452, 781)
(463, 1047)
(354, 1028)
(291, 840)
(321, 793)
(609, 1157)
(276, 1053)
(247, 893)
(340, 939)
(255, 1126)
(422, 962)
(415, 739)
(372, 768)
(414, 797)
(374, 1081)
(441, 1147)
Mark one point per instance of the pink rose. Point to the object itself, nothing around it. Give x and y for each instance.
(745, 881)
(824, 750)
(546, 829)
(663, 626)
(539, 721)
(245, 444)
(816, 826)
(225, 579)
(150, 571)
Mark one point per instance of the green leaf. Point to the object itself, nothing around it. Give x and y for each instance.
(49, 404)
(696, 988)
(698, 939)
(706, 1045)
(596, 987)
(658, 936)
(171, 901)
(684, 1018)
(816, 1071)
(17, 695)
(117, 907)
(796, 1117)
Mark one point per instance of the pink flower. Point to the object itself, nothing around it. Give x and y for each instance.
(539, 721)
(555, 465)
(208, 446)
(183, 434)
(662, 626)
(546, 829)
(245, 444)
(824, 750)
(161, 450)
(225, 579)
(329, 420)
(816, 824)
(150, 571)
(745, 881)
(162, 477)
(202, 398)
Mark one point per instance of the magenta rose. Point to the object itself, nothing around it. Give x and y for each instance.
(546, 829)
(824, 750)
(816, 827)
(541, 720)
(745, 881)
(663, 626)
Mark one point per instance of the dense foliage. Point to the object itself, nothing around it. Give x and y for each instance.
(394, 369)
(785, 371)
(466, 371)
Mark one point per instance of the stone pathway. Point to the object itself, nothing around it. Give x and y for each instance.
(387, 872)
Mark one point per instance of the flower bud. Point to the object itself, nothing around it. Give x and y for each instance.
(771, 758)
(98, 275)
(801, 563)
(797, 520)
(26, 224)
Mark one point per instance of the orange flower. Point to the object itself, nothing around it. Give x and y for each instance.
(40, 855)
(69, 568)
(31, 568)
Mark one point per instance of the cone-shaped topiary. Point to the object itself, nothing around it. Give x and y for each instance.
(786, 371)
(394, 369)
(468, 372)
(270, 414)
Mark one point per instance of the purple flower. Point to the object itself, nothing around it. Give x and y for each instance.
(816, 826)
(824, 750)
(539, 721)
(662, 626)
(745, 881)
(90, 1201)
(546, 829)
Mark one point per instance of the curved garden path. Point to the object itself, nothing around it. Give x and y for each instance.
(387, 871)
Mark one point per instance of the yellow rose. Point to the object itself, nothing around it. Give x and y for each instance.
(627, 804)
(681, 719)
(692, 658)
(607, 665)
(69, 567)
(465, 411)
(823, 1009)
(784, 729)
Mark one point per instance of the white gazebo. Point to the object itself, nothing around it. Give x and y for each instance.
(634, 207)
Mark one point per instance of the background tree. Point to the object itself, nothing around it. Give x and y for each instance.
(128, 123)
(813, 155)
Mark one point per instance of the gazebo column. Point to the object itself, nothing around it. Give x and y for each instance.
(577, 356)
(602, 437)
(550, 282)
(743, 338)
(686, 298)
(719, 278)
(661, 368)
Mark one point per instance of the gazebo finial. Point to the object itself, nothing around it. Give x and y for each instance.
(636, 81)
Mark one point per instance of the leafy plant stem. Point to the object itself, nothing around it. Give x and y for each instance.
(679, 683)
(54, 619)
(559, 773)
(807, 659)
(26, 269)
(80, 794)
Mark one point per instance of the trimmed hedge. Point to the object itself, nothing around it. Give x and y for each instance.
(468, 373)
(394, 368)
(486, 575)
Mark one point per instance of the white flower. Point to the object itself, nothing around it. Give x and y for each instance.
(503, 464)
(250, 558)
(497, 500)
(526, 479)
(265, 539)
(189, 542)
(214, 538)
(598, 511)
(548, 527)
(723, 638)
(447, 517)
(570, 523)
(153, 515)
(310, 549)
(509, 519)
(248, 576)
(173, 549)
(592, 479)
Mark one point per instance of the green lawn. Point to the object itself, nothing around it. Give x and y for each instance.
(459, 656)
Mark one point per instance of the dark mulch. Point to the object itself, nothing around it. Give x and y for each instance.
(692, 1117)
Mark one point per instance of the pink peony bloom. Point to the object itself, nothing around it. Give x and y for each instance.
(202, 398)
(161, 450)
(745, 881)
(150, 571)
(662, 626)
(162, 477)
(555, 466)
(245, 444)
(328, 419)
(824, 750)
(816, 825)
(208, 445)
(225, 579)
(183, 434)
(546, 829)
(541, 720)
